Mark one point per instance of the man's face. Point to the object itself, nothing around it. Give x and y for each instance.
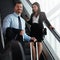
(18, 8)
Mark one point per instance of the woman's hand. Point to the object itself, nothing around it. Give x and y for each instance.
(51, 27)
(26, 18)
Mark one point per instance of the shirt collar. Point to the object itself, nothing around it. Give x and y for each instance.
(16, 14)
(36, 17)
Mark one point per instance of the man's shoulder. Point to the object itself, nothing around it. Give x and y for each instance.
(9, 16)
(23, 19)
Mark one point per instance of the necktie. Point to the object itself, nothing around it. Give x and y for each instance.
(20, 26)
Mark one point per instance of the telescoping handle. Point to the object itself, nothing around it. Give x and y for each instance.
(37, 51)
(32, 51)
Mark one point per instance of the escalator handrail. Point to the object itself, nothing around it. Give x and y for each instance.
(20, 47)
(48, 51)
(22, 51)
(56, 34)
(44, 55)
(2, 38)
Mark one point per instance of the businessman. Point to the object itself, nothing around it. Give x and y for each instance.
(14, 24)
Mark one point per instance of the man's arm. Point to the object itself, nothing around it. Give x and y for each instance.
(6, 23)
(26, 37)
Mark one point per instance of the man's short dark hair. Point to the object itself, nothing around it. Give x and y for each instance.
(19, 2)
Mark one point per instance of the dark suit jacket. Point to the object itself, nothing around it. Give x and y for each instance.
(42, 19)
(12, 34)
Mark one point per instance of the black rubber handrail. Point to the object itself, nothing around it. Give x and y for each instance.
(44, 55)
(56, 34)
(50, 54)
(17, 50)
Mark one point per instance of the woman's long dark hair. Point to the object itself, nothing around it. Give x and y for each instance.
(37, 4)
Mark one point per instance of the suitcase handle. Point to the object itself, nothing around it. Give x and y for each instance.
(36, 50)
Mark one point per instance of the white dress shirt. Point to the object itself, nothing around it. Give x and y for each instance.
(35, 19)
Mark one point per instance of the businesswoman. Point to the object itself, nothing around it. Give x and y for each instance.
(36, 22)
(36, 27)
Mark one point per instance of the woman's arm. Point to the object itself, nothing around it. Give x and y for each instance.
(46, 20)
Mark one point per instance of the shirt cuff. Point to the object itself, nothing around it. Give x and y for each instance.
(27, 38)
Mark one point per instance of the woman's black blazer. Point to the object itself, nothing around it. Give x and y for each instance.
(42, 18)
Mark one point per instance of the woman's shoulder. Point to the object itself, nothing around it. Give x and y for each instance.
(42, 13)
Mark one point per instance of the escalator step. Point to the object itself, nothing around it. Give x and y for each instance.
(27, 51)
(28, 57)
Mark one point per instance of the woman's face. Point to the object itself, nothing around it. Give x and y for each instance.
(35, 8)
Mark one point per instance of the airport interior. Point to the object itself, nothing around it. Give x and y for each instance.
(15, 50)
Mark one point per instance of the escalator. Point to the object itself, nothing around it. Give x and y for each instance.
(46, 54)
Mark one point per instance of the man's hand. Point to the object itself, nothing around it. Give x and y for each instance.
(33, 39)
(22, 32)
